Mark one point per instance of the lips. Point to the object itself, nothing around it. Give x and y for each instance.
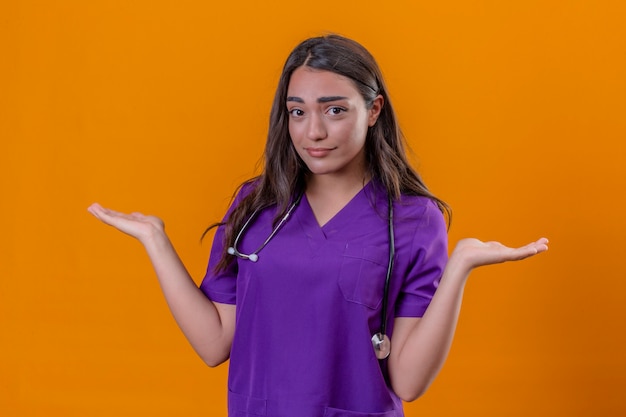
(318, 152)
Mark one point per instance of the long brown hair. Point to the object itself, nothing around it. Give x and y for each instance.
(284, 173)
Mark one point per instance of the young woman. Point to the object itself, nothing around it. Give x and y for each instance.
(329, 285)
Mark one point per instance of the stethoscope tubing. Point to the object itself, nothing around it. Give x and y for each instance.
(392, 253)
(254, 256)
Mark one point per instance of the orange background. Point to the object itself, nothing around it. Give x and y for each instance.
(515, 112)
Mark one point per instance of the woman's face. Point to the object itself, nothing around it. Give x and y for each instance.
(328, 121)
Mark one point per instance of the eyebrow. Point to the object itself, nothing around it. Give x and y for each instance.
(319, 100)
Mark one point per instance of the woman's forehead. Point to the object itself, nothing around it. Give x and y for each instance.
(314, 82)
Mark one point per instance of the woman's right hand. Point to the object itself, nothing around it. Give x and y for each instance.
(137, 225)
(208, 326)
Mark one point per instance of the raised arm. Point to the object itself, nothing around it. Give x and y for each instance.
(420, 345)
(208, 326)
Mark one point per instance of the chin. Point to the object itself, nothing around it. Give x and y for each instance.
(321, 170)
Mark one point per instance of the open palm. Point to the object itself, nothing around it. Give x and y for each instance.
(136, 225)
(474, 253)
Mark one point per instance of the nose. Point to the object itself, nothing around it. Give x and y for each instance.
(316, 128)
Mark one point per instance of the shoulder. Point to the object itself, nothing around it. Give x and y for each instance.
(416, 210)
(415, 207)
(422, 218)
(244, 190)
(247, 187)
(420, 221)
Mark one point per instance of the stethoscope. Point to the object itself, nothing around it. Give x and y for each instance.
(380, 340)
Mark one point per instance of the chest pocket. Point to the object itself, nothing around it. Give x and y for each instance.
(363, 273)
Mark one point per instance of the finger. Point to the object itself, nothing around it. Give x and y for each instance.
(539, 246)
(94, 208)
(106, 215)
(97, 210)
(137, 216)
(542, 244)
(111, 214)
(101, 214)
(530, 250)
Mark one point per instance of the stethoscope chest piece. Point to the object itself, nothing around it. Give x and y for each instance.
(382, 345)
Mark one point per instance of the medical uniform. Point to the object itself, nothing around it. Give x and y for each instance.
(306, 311)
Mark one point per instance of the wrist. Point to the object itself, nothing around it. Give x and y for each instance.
(154, 239)
(457, 268)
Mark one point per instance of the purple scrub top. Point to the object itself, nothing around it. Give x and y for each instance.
(306, 311)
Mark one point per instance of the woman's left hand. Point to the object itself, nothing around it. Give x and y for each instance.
(472, 253)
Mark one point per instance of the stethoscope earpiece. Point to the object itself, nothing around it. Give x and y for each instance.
(253, 257)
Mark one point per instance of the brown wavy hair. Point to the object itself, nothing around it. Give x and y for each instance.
(284, 173)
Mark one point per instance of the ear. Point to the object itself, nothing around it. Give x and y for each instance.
(375, 109)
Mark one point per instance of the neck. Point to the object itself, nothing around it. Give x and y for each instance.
(327, 194)
(331, 186)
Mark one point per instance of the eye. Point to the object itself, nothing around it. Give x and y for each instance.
(296, 112)
(335, 110)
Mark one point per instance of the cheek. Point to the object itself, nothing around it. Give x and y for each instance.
(354, 133)
(295, 137)
(294, 132)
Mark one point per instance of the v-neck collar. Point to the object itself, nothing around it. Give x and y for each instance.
(339, 221)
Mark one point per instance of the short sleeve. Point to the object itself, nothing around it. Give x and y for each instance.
(428, 258)
(221, 286)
